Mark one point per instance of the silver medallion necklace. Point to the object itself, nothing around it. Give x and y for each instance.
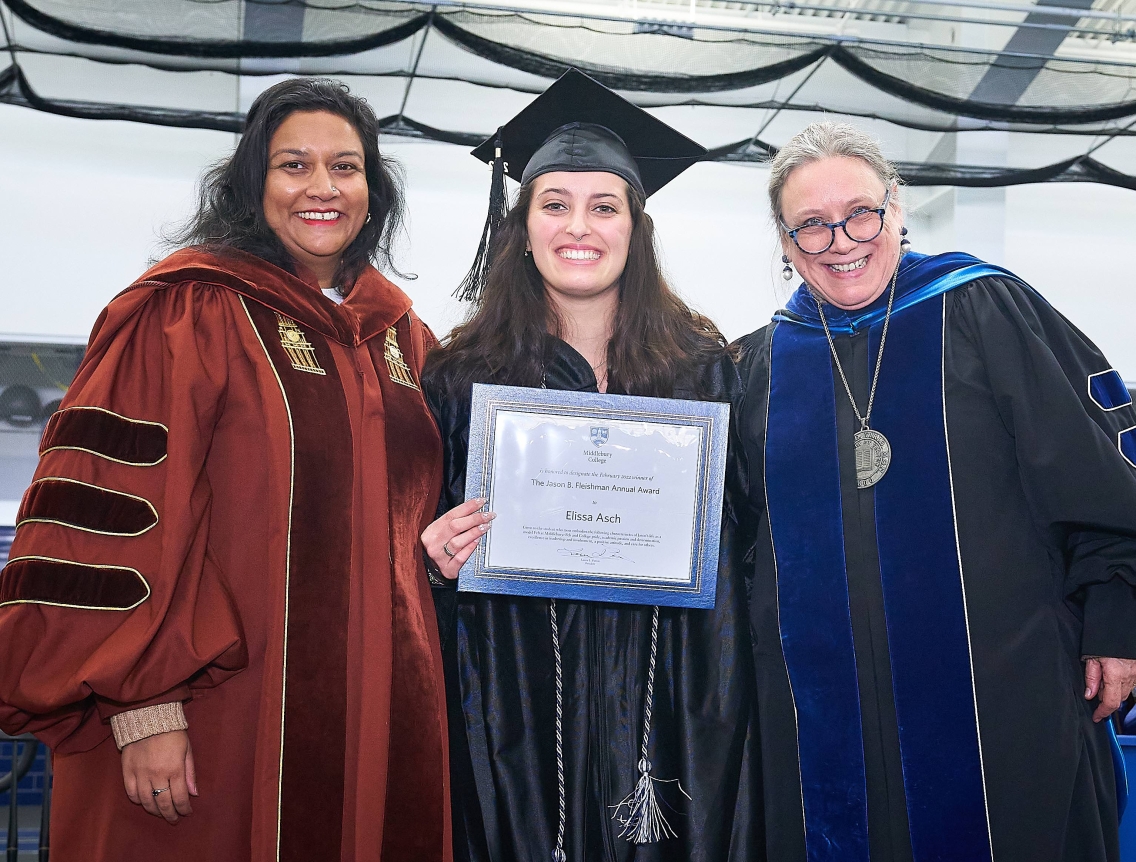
(873, 451)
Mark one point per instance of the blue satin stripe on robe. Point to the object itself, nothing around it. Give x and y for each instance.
(1108, 391)
(919, 565)
(1120, 770)
(921, 277)
(1126, 442)
(924, 602)
(802, 473)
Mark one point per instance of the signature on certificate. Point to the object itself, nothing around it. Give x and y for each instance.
(593, 555)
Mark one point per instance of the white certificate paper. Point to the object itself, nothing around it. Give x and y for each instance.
(598, 497)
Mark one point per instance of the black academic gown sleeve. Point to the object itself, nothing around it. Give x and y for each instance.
(1081, 490)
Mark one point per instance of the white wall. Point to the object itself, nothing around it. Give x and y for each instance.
(1074, 242)
(1070, 241)
(85, 201)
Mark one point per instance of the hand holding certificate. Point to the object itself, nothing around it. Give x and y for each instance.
(598, 497)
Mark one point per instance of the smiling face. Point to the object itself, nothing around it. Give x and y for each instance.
(315, 191)
(850, 275)
(579, 231)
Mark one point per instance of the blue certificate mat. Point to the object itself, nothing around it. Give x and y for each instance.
(610, 498)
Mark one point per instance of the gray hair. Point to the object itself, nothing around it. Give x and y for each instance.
(824, 140)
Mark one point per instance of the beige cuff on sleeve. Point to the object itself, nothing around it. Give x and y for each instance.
(136, 724)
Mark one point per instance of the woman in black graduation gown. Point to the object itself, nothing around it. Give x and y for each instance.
(942, 474)
(573, 299)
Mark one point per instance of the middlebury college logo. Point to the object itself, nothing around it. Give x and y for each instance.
(599, 436)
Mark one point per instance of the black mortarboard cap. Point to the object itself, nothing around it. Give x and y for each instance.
(577, 124)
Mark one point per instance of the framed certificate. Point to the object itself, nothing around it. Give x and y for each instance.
(609, 498)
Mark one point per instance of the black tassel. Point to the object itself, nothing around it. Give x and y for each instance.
(474, 282)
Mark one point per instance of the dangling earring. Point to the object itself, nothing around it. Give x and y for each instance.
(904, 242)
(787, 272)
(368, 219)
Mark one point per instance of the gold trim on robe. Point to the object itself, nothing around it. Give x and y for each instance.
(396, 366)
(297, 346)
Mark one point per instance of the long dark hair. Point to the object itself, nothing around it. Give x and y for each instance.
(230, 208)
(656, 339)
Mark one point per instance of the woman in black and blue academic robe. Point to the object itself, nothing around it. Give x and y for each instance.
(573, 299)
(942, 477)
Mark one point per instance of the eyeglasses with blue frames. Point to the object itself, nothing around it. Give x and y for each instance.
(814, 237)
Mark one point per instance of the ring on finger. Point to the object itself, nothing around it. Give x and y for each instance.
(446, 550)
(159, 791)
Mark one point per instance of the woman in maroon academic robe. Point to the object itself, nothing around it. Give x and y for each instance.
(215, 610)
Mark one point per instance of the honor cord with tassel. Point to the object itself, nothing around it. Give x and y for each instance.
(644, 822)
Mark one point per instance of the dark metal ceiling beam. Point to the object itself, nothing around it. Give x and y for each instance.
(273, 21)
(1011, 75)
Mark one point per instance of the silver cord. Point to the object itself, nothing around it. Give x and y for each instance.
(863, 420)
(640, 813)
(650, 686)
(558, 853)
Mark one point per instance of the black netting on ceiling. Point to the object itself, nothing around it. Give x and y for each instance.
(916, 86)
(1079, 169)
(904, 86)
(225, 28)
(931, 121)
(625, 55)
(15, 90)
(693, 60)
